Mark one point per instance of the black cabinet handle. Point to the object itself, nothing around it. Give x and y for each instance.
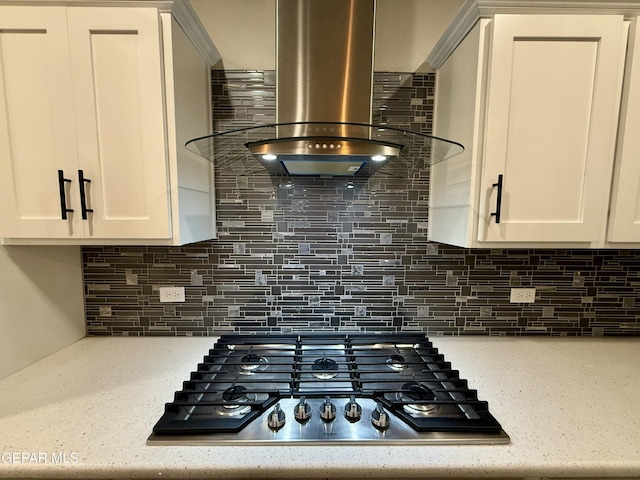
(63, 197)
(499, 199)
(83, 194)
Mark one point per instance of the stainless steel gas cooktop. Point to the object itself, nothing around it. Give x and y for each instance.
(325, 388)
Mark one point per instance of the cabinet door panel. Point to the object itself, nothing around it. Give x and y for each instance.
(624, 224)
(554, 143)
(37, 136)
(550, 127)
(117, 79)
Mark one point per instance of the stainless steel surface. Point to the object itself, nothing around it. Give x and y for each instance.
(325, 62)
(339, 431)
(352, 410)
(326, 146)
(330, 388)
(276, 419)
(328, 410)
(324, 85)
(323, 155)
(302, 411)
(380, 418)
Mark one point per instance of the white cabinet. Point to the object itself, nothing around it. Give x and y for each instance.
(552, 109)
(92, 103)
(116, 73)
(624, 221)
(37, 124)
(535, 101)
(188, 109)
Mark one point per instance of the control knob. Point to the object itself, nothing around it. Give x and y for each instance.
(328, 411)
(276, 418)
(352, 411)
(302, 411)
(380, 418)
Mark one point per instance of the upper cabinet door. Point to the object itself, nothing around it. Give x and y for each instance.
(37, 136)
(624, 223)
(552, 111)
(116, 61)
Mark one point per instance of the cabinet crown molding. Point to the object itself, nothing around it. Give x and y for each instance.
(474, 10)
(182, 11)
(188, 20)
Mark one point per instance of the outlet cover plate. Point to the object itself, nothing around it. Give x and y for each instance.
(171, 294)
(523, 295)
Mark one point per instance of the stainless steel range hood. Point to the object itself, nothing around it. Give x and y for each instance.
(324, 86)
(324, 73)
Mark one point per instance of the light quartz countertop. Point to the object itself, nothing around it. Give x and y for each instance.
(570, 405)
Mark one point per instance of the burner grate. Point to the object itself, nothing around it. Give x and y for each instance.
(403, 373)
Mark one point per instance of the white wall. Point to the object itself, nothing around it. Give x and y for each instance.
(243, 31)
(407, 30)
(41, 303)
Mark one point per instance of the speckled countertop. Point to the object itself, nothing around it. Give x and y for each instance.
(571, 407)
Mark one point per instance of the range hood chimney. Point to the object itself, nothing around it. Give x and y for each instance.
(324, 90)
(324, 54)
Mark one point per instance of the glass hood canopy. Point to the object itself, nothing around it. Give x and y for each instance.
(330, 149)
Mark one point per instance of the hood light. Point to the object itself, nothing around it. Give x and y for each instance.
(269, 157)
(379, 158)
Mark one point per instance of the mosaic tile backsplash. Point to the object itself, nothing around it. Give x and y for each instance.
(317, 255)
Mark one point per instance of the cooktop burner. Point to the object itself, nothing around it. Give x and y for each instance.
(252, 363)
(396, 362)
(324, 368)
(325, 388)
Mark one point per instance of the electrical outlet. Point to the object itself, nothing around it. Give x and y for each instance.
(523, 295)
(172, 294)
